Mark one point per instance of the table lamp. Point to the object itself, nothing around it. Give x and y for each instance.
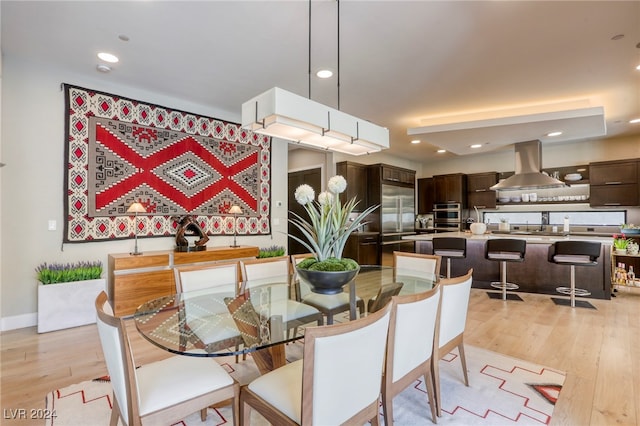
(136, 208)
(235, 210)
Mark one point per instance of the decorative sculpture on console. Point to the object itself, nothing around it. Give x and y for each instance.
(188, 226)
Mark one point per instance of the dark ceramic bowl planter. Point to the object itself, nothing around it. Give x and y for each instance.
(327, 282)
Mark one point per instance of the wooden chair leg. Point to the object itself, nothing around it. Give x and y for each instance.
(203, 414)
(428, 379)
(435, 371)
(463, 360)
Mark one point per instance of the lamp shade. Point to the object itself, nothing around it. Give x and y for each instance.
(235, 210)
(136, 208)
(285, 115)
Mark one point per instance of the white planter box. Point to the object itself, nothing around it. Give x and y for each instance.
(67, 305)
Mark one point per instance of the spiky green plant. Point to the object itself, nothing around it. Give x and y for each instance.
(329, 225)
(67, 272)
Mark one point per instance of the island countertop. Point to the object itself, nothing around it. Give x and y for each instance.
(535, 274)
(531, 238)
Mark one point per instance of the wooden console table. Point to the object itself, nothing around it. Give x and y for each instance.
(133, 280)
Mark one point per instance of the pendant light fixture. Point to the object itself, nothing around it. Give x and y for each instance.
(282, 114)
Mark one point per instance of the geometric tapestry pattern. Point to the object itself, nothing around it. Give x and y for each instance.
(119, 151)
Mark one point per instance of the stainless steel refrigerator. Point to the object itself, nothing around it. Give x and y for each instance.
(398, 220)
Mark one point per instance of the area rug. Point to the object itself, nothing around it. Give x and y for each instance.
(502, 391)
(120, 150)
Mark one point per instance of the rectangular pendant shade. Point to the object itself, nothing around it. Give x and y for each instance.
(285, 115)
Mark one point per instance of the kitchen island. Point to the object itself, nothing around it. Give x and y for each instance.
(536, 274)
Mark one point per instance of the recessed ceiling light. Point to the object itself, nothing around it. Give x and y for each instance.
(103, 68)
(108, 57)
(324, 73)
(552, 134)
(441, 151)
(477, 145)
(415, 141)
(634, 121)
(638, 67)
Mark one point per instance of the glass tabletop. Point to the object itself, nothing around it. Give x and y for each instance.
(213, 323)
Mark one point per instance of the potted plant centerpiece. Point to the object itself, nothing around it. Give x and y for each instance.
(325, 235)
(67, 293)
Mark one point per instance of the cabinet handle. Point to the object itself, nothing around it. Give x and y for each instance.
(481, 190)
(481, 207)
(611, 204)
(613, 183)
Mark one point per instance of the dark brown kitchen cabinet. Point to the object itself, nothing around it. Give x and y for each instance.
(363, 248)
(356, 176)
(398, 174)
(451, 188)
(479, 191)
(426, 195)
(614, 183)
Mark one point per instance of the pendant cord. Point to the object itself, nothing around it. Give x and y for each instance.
(338, 70)
(309, 53)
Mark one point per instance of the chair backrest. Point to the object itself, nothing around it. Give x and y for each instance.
(416, 264)
(257, 272)
(301, 286)
(385, 293)
(449, 245)
(509, 249)
(453, 307)
(118, 357)
(342, 370)
(406, 348)
(575, 251)
(222, 276)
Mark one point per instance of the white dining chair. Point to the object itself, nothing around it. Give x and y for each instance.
(195, 280)
(410, 347)
(336, 382)
(328, 304)
(454, 304)
(416, 264)
(161, 392)
(275, 273)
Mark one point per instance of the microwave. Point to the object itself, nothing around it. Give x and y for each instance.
(449, 212)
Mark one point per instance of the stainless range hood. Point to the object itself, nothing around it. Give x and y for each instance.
(528, 170)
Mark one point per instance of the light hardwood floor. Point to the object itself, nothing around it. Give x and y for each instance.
(598, 349)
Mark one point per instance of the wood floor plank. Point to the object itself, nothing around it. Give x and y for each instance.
(597, 348)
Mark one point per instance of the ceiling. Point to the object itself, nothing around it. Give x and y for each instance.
(487, 72)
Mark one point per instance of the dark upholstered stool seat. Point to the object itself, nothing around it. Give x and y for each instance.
(574, 253)
(449, 248)
(505, 250)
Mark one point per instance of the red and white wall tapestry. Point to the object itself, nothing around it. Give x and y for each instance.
(120, 150)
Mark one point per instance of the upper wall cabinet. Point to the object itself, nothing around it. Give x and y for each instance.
(397, 174)
(479, 193)
(614, 183)
(425, 195)
(451, 188)
(357, 181)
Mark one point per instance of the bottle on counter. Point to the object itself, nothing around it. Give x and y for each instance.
(631, 277)
(566, 225)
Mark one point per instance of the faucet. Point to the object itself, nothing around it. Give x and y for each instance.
(544, 221)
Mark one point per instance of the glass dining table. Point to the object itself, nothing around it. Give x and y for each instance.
(214, 324)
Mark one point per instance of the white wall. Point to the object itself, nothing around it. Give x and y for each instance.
(32, 146)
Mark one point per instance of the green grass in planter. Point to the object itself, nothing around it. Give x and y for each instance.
(68, 272)
(273, 251)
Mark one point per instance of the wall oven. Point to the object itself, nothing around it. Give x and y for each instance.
(447, 217)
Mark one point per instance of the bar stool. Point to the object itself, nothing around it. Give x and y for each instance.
(574, 253)
(505, 250)
(450, 248)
